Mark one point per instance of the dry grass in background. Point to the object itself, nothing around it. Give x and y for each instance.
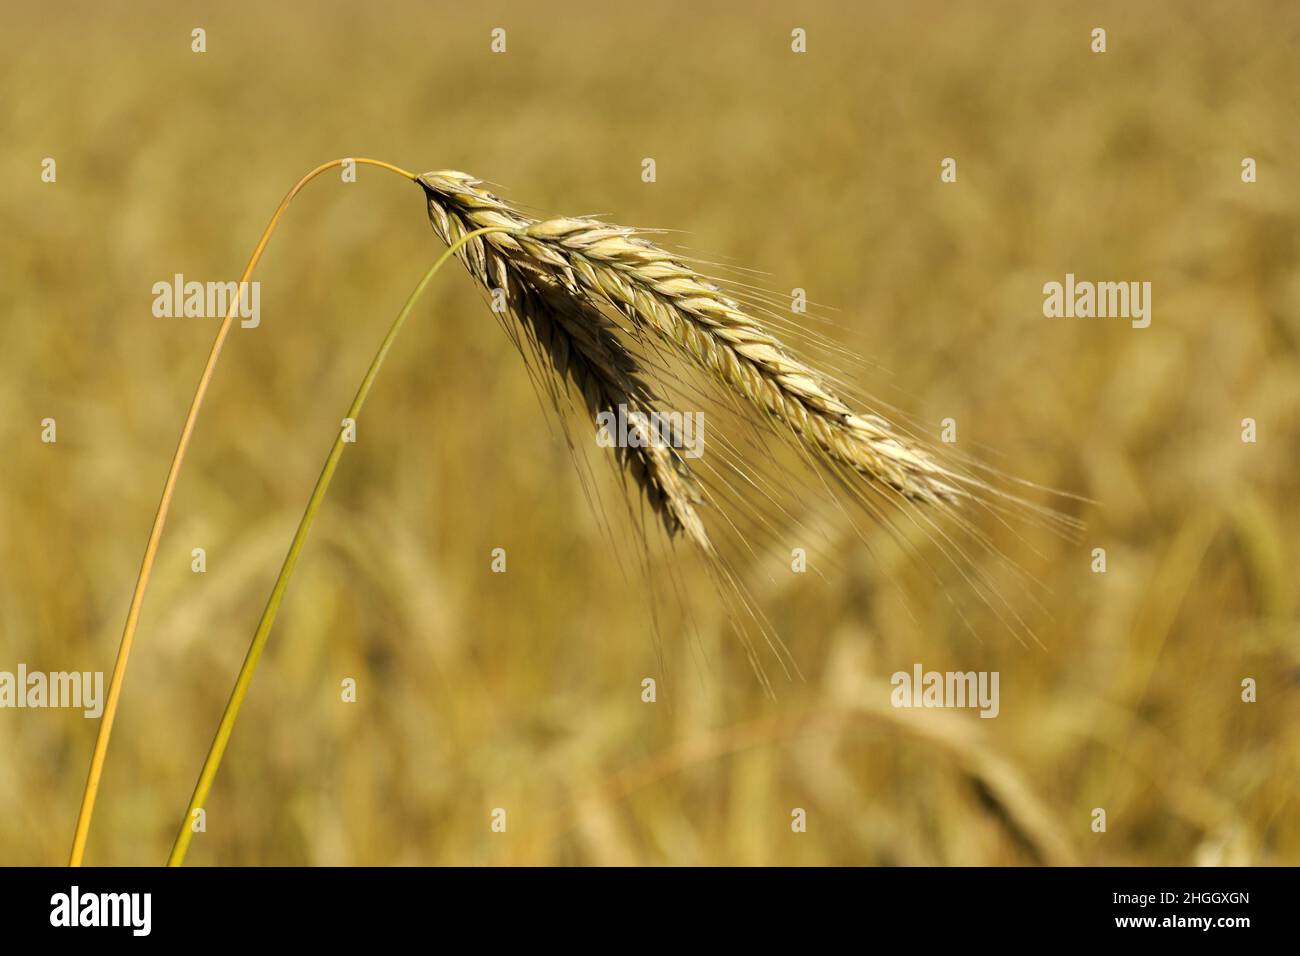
(522, 690)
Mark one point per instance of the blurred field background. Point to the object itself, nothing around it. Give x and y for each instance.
(522, 690)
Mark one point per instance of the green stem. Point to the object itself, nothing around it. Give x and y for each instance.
(116, 680)
(245, 678)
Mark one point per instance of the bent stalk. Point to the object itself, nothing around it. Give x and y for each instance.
(164, 506)
(228, 717)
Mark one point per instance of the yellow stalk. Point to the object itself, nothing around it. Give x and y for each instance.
(164, 505)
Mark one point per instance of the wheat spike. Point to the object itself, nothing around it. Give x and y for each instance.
(657, 291)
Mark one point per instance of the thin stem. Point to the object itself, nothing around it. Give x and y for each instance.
(164, 505)
(228, 717)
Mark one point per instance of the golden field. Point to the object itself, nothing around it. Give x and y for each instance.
(523, 690)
